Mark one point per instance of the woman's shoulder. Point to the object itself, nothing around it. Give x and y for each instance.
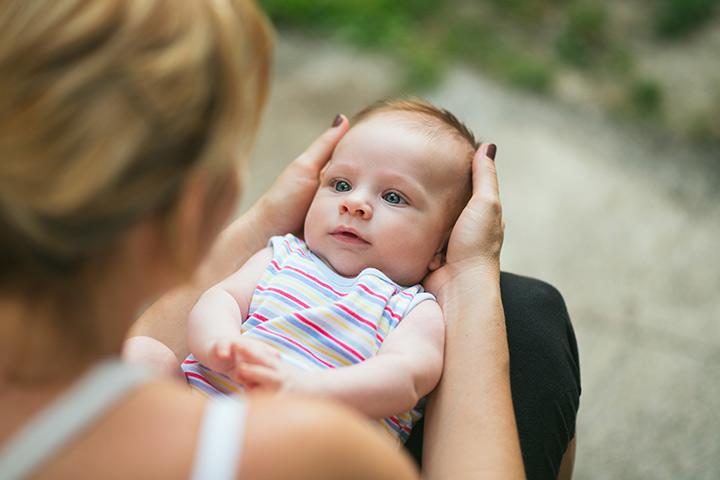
(150, 433)
(284, 436)
(316, 439)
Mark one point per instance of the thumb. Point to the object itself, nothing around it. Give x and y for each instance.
(484, 173)
(319, 152)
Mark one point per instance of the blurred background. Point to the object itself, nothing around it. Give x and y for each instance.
(607, 119)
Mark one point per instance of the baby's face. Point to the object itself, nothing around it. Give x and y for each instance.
(385, 198)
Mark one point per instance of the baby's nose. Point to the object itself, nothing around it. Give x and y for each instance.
(356, 207)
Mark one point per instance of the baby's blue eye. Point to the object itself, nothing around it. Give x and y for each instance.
(394, 198)
(342, 186)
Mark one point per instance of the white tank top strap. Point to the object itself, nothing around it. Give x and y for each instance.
(220, 439)
(66, 418)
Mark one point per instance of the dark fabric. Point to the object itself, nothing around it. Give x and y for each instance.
(544, 374)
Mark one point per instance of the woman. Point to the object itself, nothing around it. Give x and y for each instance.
(121, 123)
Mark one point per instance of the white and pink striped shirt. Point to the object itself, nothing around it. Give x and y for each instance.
(319, 319)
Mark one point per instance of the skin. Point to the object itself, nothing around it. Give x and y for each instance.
(163, 417)
(383, 199)
(568, 461)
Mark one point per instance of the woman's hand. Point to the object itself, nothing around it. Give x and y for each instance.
(279, 211)
(283, 207)
(476, 238)
(476, 371)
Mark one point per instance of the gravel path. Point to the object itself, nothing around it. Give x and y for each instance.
(625, 226)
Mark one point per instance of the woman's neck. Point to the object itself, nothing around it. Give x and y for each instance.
(42, 342)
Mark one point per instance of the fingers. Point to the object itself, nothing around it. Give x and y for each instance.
(319, 152)
(255, 353)
(486, 192)
(220, 357)
(248, 362)
(484, 173)
(258, 376)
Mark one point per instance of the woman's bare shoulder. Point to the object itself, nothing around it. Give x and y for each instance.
(150, 434)
(298, 437)
(285, 437)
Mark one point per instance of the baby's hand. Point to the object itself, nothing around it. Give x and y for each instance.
(255, 365)
(227, 355)
(274, 375)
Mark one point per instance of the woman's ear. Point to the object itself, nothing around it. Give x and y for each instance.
(203, 208)
(184, 225)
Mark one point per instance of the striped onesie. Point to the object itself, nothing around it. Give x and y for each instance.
(318, 319)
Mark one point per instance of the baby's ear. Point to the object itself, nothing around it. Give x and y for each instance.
(438, 260)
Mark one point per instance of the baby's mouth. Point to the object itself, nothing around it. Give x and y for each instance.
(348, 235)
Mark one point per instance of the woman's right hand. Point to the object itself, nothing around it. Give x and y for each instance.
(279, 211)
(477, 237)
(283, 207)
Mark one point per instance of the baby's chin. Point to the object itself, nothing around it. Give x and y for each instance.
(343, 267)
(351, 269)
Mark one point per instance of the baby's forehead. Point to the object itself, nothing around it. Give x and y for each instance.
(431, 127)
(404, 144)
(437, 144)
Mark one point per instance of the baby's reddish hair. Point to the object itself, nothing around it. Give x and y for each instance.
(435, 121)
(421, 107)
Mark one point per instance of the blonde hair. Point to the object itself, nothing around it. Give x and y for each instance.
(107, 107)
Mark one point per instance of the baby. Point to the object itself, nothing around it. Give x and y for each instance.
(348, 295)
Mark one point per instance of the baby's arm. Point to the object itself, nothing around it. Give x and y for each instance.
(214, 322)
(407, 367)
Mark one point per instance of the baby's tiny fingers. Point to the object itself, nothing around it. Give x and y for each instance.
(222, 350)
(258, 375)
(258, 354)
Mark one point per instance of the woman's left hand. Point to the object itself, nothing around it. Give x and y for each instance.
(477, 237)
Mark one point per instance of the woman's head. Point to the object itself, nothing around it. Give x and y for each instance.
(108, 108)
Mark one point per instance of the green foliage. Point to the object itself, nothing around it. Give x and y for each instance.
(424, 69)
(485, 47)
(367, 22)
(584, 37)
(619, 61)
(645, 98)
(521, 42)
(521, 69)
(527, 10)
(396, 27)
(470, 39)
(675, 18)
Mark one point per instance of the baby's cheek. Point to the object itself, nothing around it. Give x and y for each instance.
(410, 262)
(313, 220)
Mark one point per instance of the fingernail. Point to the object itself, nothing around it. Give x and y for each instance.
(337, 121)
(490, 151)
